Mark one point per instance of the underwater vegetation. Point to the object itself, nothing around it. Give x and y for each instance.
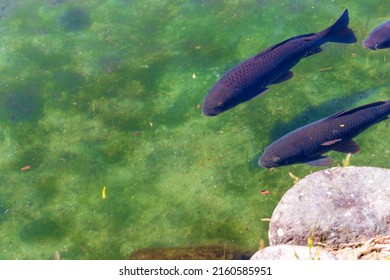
(21, 105)
(192, 253)
(108, 94)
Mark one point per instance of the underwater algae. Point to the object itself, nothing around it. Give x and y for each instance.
(74, 19)
(115, 104)
(192, 253)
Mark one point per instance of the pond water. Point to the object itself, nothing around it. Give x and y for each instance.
(106, 95)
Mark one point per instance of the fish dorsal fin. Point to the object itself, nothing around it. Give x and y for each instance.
(354, 110)
(285, 41)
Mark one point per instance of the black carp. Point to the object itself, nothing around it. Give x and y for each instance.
(379, 38)
(251, 77)
(308, 143)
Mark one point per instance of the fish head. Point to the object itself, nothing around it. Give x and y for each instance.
(379, 38)
(279, 154)
(220, 99)
(371, 44)
(376, 44)
(269, 161)
(382, 45)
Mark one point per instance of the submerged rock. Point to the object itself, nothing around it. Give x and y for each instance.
(293, 252)
(334, 206)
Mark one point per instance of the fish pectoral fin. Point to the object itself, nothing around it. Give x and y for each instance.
(319, 161)
(349, 146)
(284, 78)
(313, 51)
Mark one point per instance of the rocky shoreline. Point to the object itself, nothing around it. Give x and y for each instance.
(337, 213)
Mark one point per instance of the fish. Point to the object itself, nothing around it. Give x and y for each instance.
(379, 38)
(252, 77)
(307, 144)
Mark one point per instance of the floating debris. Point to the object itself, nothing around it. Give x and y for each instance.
(104, 192)
(57, 255)
(326, 69)
(27, 167)
(346, 161)
(376, 248)
(296, 179)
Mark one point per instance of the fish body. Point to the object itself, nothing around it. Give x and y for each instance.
(308, 143)
(379, 38)
(251, 77)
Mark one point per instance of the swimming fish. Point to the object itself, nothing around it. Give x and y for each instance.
(308, 143)
(379, 38)
(251, 77)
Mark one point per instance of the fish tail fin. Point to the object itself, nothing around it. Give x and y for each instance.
(339, 32)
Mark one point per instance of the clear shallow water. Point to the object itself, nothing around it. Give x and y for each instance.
(110, 98)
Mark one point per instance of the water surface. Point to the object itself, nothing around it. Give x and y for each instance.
(107, 93)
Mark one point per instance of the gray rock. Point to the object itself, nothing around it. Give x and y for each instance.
(293, 252)
(334, 206)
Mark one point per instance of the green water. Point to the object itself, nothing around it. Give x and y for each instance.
(111, 98)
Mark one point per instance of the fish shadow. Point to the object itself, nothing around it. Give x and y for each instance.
(325, 109)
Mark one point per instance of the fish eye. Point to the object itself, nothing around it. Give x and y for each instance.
(218, 106)
(276, 159)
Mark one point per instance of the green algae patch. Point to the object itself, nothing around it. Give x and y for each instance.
(42, 230)
(226, 252)
(74, 19)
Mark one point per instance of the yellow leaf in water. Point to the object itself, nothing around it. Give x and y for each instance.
(104, 192)
(346, 161)
(295, 178)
